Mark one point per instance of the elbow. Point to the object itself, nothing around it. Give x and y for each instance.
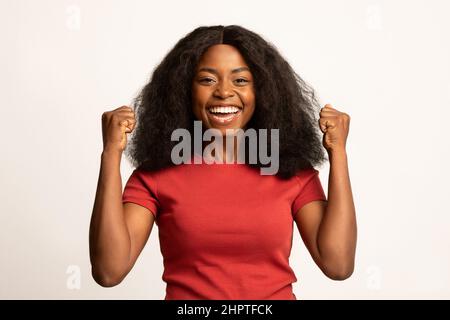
(339, 273)
(339, 276)
(106, 279)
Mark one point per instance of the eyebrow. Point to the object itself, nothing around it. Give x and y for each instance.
(212, 70)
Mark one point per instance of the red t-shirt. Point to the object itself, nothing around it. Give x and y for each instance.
(225, 230)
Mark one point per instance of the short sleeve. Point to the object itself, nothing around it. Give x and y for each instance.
(141, 189)
(310, 189)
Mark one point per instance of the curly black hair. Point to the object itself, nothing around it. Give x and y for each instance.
(283, 101)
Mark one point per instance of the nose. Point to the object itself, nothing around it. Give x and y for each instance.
(223, 90)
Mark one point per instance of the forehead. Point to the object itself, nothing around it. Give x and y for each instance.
(222, 56)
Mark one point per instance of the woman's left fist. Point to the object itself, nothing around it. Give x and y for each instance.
(335, 125)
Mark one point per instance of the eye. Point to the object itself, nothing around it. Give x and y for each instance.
(206, 80)
(241, 81)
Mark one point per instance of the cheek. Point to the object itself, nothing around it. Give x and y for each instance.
(200, 95)
(196, 102)
(248, 98)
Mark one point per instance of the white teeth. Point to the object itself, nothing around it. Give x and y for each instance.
(231, 109)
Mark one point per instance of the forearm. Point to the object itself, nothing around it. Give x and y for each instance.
(109, 238)
(336, 240)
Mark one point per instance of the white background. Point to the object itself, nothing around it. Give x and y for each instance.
(385, 63)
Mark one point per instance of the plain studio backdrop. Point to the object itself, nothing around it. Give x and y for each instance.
(385, 63)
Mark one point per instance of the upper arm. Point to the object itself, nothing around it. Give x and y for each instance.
(139, 221)
(308, 219)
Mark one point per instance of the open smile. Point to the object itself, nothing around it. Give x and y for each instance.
(223, 114)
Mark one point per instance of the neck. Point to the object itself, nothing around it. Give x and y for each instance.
(226, 156)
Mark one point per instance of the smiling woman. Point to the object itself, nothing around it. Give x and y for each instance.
(223, 95)
(225, 230)
(232, 67)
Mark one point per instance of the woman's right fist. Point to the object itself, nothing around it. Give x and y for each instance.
(115, 125)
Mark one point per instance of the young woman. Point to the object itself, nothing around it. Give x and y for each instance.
(225, 230)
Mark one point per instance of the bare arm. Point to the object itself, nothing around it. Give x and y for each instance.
(118, 232)
(328, 228)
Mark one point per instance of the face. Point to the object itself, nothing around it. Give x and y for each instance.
(222, 90)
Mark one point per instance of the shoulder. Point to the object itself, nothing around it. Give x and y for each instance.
(303, 176)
